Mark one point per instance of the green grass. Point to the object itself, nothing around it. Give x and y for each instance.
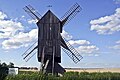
(67, 76)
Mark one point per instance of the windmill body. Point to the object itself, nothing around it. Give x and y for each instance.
(49, 37)
(50, 40)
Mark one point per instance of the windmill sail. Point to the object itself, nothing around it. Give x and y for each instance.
(70, 50)
(32, 12)
(70, 14)
(63, 44)
(30, 52)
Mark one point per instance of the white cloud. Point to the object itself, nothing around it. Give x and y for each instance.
(32, 21)
(118, 42)
(107, 24)
(87, 49)
(66, 35)
(20, 40)
(12, 31)
(8, 28)
(116, 46)
(2, 15)
(22, 16)
(79, 42)
(82, 46)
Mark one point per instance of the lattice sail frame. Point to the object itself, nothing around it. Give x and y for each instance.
(71, 13)
(32, 12)
(72, 53)
(30, 52)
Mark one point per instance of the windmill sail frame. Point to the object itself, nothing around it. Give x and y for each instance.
(72, 52)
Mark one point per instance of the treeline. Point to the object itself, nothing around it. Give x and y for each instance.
(10, 65)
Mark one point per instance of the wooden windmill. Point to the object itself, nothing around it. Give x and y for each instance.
(50, 40)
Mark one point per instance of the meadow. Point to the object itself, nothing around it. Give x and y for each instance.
(23, 75)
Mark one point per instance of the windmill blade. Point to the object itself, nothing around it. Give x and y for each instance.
(29, 48)
(30, 57)
(71, 52)
(32, 12)
(28, 54)
(70, 14)
(63, 44)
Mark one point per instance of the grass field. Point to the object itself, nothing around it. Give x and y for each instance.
(71, 74)
(28, 75)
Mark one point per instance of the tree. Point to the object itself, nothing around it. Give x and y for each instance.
(11, 65)
(4, 65)
(0, 65)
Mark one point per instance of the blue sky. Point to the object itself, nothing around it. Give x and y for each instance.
(94, 32)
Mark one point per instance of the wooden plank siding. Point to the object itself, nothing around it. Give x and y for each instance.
(49, 36)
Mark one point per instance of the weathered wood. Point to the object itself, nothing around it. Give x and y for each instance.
(49, 36)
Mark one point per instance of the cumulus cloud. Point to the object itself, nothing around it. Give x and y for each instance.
(2, 15)
(116, 46)
(22, 16)
(82, 46)
(107, 24)
(79, 42)
(13, 33)
(87, 49)
(32, 21)
(118, 42)
(66, 35)
(20, 40)
(8, 28)
(15, 37)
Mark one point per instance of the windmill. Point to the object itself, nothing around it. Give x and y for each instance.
(50, 40)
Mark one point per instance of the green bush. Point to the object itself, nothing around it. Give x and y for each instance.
(3, 72)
